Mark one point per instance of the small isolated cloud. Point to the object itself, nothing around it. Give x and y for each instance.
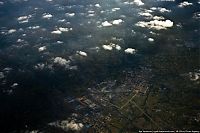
(111, 46)
(24, 19)
(106, 24)
(47, 16)
(185, 4)
(67, 125)
(70, 14)
(130, 51)
(160, 9)
(14, 85)
(34, 27)
(61, 61)
(155, 24)
(194, 76)
(138, 2)
(107, 47)
(145, 14)
(97, 5)
(81, 53)
(115, 9)
(64, 29)
(117, 22)
(40, 49)
(150, 39)
(11, 31)
(56, 32)
(60, 30)
(114, 22)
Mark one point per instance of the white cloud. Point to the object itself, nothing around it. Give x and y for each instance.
(20, 40)
(1, 3)
(70, 14)
(130, 51)
(11, 31)
(40, 49)
(117, 22)
(14, 85)
(34, 27)
(64, 29)
(118, 47)
(155, 24)
(150, 39)
(111, 46)
(194, 76)
(184, 4)
(158, 18)
(24, 19)
(115, 9)
(56, 32)
(60, 30)
(107, 47)
(81, 53)
(145, 14)
(106, 24)
(97, 5)
(59, 42)
(61, 61)
(161, 9)
(138, 2)
(68, 125)
(47, 16)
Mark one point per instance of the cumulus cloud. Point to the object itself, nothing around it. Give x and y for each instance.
(47, 16)
(81, 53)
(56, 32)
(67, 125)
(1, 3)
(194, 76)
(107, 47)
(11, 31)
(184, 4)
(34, 27)
(138, 2)
(40, 49)
(130, 51)
(114, 22)
(60, 30)
(111, 46)
(64, 29)
(61, 61)
(158, 18)
(117, 21)
(20, 40)
(155, 24)
(150, 39)
(106, 24)
(14, 85)
(145, 14)
(70, 14)
(97, 5)
(115, 9)
(160, 9)
(24, 19)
